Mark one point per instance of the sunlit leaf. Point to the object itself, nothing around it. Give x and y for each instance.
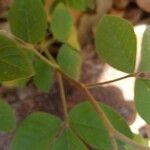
(73, 39)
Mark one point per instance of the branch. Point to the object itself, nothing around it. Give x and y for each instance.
(111, 130)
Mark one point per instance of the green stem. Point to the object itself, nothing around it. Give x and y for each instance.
(112, 131)
(94, 103)
(49, 62)
(49, 56)
(99, 111)
(57, 133)
(114, 144)
(63, 98)
(93, 85)
(127, 140)
(48, 4)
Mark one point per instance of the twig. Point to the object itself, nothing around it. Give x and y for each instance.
(63, 98)
(58, 133)
(114, 144)
(112, 131)
(100, 111)
(48, 4)
(49, 56)
(93, 85)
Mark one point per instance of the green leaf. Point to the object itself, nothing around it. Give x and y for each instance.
(28, 20)
(61, 23)
(35, 132)
(87, 125)
(145, 52)
(118, 122)
(85, 121)
(142, 96)
(14, 63)
(69, 61)
(142, 87)
(43, 78)
(7, 117)
(67, 140)
(20, 82)
(116, 43)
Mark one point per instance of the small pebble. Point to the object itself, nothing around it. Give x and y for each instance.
(121, 4)
(144, 5)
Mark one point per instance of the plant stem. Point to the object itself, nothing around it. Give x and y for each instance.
(100, 111)
(48, 4)
(111, 130)
(127, 140)
(93, 85)
(94, 103)
(49, 62)
(58, 133)
(114, 144)
(49, 56)
(63, 98)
